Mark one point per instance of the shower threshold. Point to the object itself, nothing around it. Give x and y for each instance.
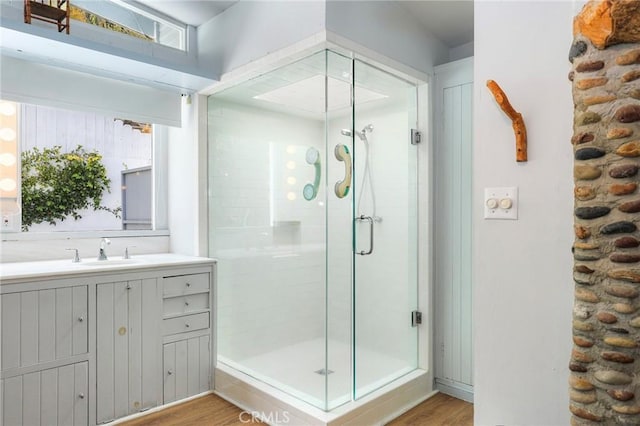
(294, 370)
(376, 408)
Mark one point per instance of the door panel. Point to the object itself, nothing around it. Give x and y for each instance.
(128, 345)
(453, 357)
(385, 228)
(56, 396)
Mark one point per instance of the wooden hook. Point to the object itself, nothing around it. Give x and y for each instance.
(516, 120)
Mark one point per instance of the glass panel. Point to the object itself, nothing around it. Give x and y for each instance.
(385, 237)
(270, 210)
(339, 230)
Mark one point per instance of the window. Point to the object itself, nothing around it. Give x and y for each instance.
(123, 17)
(52, 159)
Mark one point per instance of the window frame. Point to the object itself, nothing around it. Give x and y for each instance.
(157, 18)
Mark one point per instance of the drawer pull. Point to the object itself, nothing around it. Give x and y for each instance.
(170, 372)
(187, 325)
(186, 303)
(81, 396)
(80, 319)
(188, 284)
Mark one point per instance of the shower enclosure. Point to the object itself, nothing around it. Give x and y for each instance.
(313, 219)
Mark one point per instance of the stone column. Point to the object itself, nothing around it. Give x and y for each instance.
(605, 361)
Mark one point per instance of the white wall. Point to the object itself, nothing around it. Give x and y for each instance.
(31, 82)
(244, 35)
(249, 30)
(187, 179)
(389, 30)
(523, 291)
(461, 52)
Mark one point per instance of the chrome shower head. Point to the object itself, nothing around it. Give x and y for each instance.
(362, 135)
(368, 128)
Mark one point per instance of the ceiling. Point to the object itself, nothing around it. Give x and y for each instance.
(451, 21)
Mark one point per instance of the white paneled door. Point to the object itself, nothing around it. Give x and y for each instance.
(453, 201)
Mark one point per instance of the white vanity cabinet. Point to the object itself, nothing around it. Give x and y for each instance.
(87, 346)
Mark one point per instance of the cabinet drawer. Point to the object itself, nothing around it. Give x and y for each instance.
(185, 304)
(185, 323)
(185, 284)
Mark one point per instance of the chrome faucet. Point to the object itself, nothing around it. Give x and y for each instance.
(102, 255)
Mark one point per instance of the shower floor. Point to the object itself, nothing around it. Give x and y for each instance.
(295, 370)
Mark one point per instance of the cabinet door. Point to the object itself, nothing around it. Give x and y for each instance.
(128, 348)
(186, 368)
(44, 325)
(56, 396)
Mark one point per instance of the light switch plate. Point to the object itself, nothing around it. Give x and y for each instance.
(501, 194)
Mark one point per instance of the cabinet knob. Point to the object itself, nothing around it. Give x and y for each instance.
(170, 372)
(80, 319)
(187, 325)
(186, 303)
(128, 286)
(81, 396)
(188, 284)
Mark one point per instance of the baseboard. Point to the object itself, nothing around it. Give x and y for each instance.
(456, 390)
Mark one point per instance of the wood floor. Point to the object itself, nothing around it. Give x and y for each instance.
(440, 410)
(212, 410)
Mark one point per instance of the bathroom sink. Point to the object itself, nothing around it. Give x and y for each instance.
(110, 262)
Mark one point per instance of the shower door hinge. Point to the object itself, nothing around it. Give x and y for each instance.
(416, 318)
(416, 137)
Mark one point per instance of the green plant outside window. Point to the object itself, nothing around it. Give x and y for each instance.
(57, 185)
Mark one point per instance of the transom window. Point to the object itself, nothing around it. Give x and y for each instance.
(126, 18)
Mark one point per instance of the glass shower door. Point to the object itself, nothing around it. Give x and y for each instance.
(385, 228)
(278, 230)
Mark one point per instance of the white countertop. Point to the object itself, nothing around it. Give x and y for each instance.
(57, 268)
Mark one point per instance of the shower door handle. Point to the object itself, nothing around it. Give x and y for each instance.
(370, 220)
